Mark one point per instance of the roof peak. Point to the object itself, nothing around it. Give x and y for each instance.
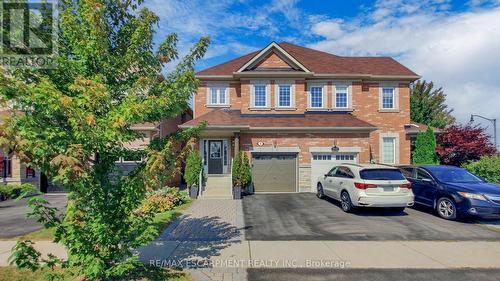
(314, 62)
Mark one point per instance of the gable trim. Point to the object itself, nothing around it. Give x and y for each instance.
(265, 51)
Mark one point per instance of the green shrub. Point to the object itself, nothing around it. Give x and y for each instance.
(12, 191)
(242, 174)
(194, 165)
(246, 171)
(236, 169)
(425, 148)
(164, 200)
(488, 167)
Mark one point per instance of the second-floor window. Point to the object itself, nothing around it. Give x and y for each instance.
(218, 96)
(284, 96)
(341, 100)
(388, 98)
(260, 96)
(316, 97)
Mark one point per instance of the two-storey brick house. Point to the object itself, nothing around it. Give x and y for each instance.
(298, 111)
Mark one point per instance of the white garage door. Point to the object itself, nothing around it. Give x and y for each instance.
(321, 163)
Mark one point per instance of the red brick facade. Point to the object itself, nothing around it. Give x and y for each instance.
(365, 106)
(302, 68)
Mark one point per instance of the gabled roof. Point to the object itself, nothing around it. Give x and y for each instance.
(317, 62)
(234, 119)
(273, 47)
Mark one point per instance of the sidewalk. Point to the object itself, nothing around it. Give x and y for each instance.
(307, 254)
(325, 254)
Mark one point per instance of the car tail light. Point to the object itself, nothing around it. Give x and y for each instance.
(360, 185)
(405, 185)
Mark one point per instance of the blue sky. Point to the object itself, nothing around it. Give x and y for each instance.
(456, 44)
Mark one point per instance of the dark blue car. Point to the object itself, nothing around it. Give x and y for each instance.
(453, 192)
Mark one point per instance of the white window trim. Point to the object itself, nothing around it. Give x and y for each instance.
(218, 85)
(336, 84)
(395, 86)
(265, 83)
(324, 96)
(277, 85)
(395, 136)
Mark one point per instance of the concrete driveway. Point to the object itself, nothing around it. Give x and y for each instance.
(302, 216)
(13, 221)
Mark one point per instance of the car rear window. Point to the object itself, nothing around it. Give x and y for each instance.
(381, 174)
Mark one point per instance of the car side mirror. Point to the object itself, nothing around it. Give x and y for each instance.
(326, 175)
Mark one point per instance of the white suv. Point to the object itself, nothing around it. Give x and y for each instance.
(366, 185)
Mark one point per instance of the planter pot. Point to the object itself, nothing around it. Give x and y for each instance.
(236, 192)
(193, 191)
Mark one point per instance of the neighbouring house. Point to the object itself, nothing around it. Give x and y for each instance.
(150, 131)
(413, 128)
(12, 170)
(298, 111)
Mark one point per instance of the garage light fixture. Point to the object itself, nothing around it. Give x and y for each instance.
(335, 148)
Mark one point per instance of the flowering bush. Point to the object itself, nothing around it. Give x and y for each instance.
(164, 200)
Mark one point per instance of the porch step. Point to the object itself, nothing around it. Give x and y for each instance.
(218, 187)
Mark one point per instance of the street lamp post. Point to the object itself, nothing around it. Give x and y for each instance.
(494, 121)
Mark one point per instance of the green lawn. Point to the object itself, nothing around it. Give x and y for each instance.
(161, 221)
(11, 273)
(154, 274)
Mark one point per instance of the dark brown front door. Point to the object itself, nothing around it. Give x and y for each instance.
(215, 157)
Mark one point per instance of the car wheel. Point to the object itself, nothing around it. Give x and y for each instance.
(346, 203)
(319, 192)
(446, 208)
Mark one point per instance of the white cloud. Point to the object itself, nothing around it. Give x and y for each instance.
(458, 51)
(227, 22)
(328, 28)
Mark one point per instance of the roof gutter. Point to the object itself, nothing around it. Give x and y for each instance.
(370, 76)
(249, 128)
(236, 75)
(345, 129)
(219, 127)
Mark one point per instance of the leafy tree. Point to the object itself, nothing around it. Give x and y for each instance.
(72, 123)
(425, 148)
(427, 105)
(460, 144)
(194, 164)
(488, 167)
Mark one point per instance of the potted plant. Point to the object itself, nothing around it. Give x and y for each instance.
(241, 173)
(194, 165)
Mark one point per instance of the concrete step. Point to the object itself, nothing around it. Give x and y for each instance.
(218, 187)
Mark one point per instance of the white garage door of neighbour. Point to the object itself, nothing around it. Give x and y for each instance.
(321, 163)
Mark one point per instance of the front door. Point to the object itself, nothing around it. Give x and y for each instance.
(215, 157)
